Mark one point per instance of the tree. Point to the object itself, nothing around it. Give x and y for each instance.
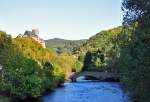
(136, 10)
(21, 79)
(94, 61)
(26, 69)
(135, 57)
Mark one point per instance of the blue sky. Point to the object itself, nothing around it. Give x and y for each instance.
(69, 19)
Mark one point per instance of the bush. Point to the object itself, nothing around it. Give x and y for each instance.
(21, 79)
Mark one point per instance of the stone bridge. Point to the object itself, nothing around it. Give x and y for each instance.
(101, 76)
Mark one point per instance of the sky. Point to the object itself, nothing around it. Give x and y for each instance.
(67, 19)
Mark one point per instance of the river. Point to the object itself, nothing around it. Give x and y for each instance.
(88, 91)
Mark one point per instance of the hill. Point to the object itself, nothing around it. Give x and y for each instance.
(28, 69)
(102, 40)
(62, 45)
(101, 51)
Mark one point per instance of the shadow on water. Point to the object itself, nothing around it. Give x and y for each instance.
(39, 99)
(93, 79)
(85, 91)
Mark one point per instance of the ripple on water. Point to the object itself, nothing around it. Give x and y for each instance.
(88, 91)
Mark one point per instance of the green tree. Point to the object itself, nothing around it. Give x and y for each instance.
(135, 57)
(21, 79)
(26, 69)
(94, 61)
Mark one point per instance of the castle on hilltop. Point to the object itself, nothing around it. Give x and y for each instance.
(34, 34)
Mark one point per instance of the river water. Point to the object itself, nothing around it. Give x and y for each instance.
(88, 91)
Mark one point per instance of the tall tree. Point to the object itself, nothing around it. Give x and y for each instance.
(135, 56)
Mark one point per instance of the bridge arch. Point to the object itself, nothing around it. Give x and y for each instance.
(101, 76)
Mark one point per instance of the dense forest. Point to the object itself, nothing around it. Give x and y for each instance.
(135, 57)
(102, 50)
(124, 50)
(28, 70)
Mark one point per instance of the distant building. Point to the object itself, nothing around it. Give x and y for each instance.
(35, 31)
(27, 33)
(34, 34)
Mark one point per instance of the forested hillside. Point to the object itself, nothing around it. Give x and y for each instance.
(124, 50)
(101, 40)
(63, 45)
(102, 50)
(29, 70)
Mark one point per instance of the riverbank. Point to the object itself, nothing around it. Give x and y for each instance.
(68, 92)
(88, 91)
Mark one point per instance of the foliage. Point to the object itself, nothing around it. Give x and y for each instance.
(94, 61)
(134, 61)
(31, 49)
(135, 57)
(63, 61)
(28, 69)
(21, 79)
(136, 11)
(77, 66)
(62, 45)
(104, 44)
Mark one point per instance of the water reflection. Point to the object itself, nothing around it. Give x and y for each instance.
(88, 91)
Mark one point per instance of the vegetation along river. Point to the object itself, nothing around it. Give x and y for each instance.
(88, 91)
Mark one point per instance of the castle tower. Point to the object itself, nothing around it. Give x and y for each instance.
(27, 33)
(35, 32)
